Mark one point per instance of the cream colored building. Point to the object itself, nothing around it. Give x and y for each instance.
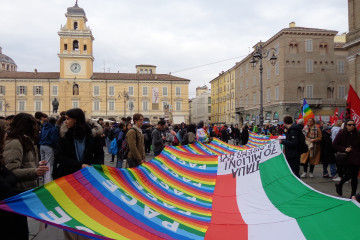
(353, 44)
(310, 65)
(223, 98)
(98, 94)
(200, 106)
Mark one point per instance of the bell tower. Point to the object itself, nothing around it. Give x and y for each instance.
(76, 46)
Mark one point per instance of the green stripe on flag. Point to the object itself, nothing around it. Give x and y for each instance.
(319, 216)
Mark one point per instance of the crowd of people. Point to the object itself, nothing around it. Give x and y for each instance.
(41, 147)
(336, 146)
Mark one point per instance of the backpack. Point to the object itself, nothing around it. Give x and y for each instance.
(113, 147)
(303, 147)
(124, 150)
(111, 134)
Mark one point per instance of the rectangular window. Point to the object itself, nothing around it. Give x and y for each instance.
(277, 93)
(21, 90)
(22, 106)
(340, 66)
(75, 104)
(277, 69)
(269, 95)
(241, 85)
(246, 83)
(111, 91)
(2, 90)
(246, 101)
(277, 48)
(145, 91)
(228, 106)
(85, 48)
(131, 91)
(232, 95)
(308, 45)
(178, 91)
(96, 90)
(209, 109)
(269, 73)
(1, 106)
(65, 47)
(309, 91)
(38, 106)
(145, 106)
(164, 104)
(309, 66)
(96, 105)
(178, 106)
(54, 90)
(241, 102)
(254, 99)
(111, 105)
(341, 92)
(254, 80)
(241, 72)
(247, 68)
(209, 100)
(37, 90)
(131, 106)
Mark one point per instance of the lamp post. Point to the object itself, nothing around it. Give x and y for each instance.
(125, 95)
(258, 55)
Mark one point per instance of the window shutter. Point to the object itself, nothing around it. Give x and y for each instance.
(34, 90)
(4, 90)
(17, 90)
(25, 90)
(41, 90)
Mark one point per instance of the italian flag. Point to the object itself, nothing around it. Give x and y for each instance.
(258, 197)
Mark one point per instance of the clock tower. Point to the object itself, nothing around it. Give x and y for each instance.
(76, 46)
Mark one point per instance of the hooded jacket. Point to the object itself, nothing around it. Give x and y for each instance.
(65, 155)
(49, 135)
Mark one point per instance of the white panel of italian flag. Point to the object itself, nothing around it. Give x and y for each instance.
(257, 197)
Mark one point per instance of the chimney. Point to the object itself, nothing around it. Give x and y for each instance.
(35, 71)
(0, 50)
(292, 25)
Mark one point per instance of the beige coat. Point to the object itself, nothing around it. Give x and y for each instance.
(135, 141)
(315, 159)
(22, 165)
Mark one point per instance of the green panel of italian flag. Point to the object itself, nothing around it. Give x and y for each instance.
(257, 197)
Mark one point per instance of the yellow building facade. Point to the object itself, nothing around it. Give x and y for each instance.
(156, 96)
(223, 98)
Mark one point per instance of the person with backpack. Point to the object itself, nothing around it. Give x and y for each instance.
(292, 144)
(158, 140)
(113, 135)
(135, 141)
(119, 140)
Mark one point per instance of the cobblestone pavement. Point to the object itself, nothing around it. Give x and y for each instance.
(319, 183)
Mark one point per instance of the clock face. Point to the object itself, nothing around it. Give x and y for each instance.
(75, 67)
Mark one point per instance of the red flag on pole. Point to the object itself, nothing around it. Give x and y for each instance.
(353, 107)
(342, 116)
(320, 117)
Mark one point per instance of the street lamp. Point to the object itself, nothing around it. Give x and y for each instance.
(258, 55)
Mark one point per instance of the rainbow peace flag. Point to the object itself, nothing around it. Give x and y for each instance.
(200, 191)
(307, 113)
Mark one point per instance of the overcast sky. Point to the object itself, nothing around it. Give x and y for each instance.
(173, 35)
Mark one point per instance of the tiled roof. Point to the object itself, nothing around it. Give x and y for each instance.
(29, 75)
(135, 76)
(96, 76)
(307, 29)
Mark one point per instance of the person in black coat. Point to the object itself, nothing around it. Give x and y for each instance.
(327, 153)
(291, 143)
(79, 145)
(225, 134)
(245, 135)
(236, 135)
(348, 141)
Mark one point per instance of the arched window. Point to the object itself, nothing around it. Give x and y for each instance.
(294, 49)
(247, 118)
(276, 116)
(141, 70)
(267, 116)
(146, 71)
(150, 71)
(75, 45)
(300, 92)
(75, 25)
(330, 93)
(323, 48)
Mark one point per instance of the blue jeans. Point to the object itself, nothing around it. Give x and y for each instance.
(332, 169)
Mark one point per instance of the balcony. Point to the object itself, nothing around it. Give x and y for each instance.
(313, 102)
(238, 110)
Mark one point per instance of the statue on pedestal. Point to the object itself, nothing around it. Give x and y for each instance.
(55, 104)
